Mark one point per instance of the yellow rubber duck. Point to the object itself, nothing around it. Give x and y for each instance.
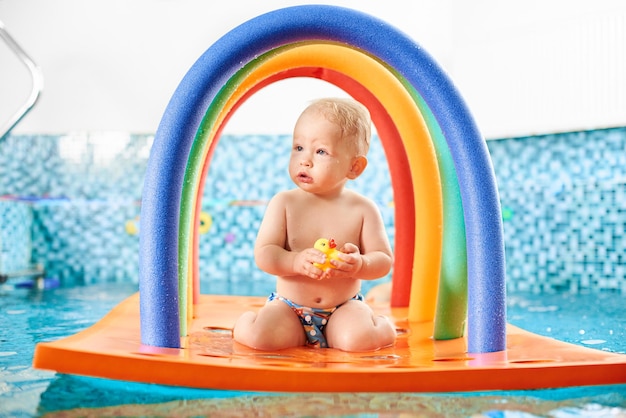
(328, 247)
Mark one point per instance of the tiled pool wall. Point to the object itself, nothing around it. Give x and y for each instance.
(71, 203)
(564, 208)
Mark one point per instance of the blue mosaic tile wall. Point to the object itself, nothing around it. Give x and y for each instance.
(84, 192)
(16, 219)
(72, 204)
(564, 207)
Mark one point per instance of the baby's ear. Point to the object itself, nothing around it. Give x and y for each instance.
(358, 166)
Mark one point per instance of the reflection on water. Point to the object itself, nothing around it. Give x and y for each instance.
(601, 401)
(28, 317)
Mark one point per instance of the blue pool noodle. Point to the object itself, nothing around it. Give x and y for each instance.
(184, 113)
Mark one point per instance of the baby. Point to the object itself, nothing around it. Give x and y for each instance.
(313, 306)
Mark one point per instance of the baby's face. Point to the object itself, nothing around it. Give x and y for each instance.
(320, 158)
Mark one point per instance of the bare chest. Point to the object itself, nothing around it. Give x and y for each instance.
(308, 224)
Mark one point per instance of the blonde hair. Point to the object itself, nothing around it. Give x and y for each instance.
(353, 118)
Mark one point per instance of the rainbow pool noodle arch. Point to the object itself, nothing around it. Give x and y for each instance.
(462, 167)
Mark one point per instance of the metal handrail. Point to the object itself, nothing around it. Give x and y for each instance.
(36, 75)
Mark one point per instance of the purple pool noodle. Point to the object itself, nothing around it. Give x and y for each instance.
(183, 115)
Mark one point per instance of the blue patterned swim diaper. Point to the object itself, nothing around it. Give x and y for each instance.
(313, 320)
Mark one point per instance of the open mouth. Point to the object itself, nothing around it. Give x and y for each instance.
(304, 177)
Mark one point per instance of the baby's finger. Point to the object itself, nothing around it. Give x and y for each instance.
(349, 248)
(316, 256)
(314, 272)
(344, 263)
(325, 274)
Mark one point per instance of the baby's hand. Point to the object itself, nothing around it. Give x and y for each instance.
(304, 260)
(348, 264)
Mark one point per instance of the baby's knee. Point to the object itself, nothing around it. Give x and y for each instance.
(267, 332)
(385, 329)
(366, 333)
(243, 329)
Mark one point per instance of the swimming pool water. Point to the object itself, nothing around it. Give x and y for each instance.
(27, 317)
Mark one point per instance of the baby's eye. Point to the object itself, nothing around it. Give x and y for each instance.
(321, 152)
(297, 148)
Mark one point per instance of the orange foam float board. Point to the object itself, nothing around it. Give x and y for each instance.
(210, 358)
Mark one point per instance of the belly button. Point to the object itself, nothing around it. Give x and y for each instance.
(318, 300)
